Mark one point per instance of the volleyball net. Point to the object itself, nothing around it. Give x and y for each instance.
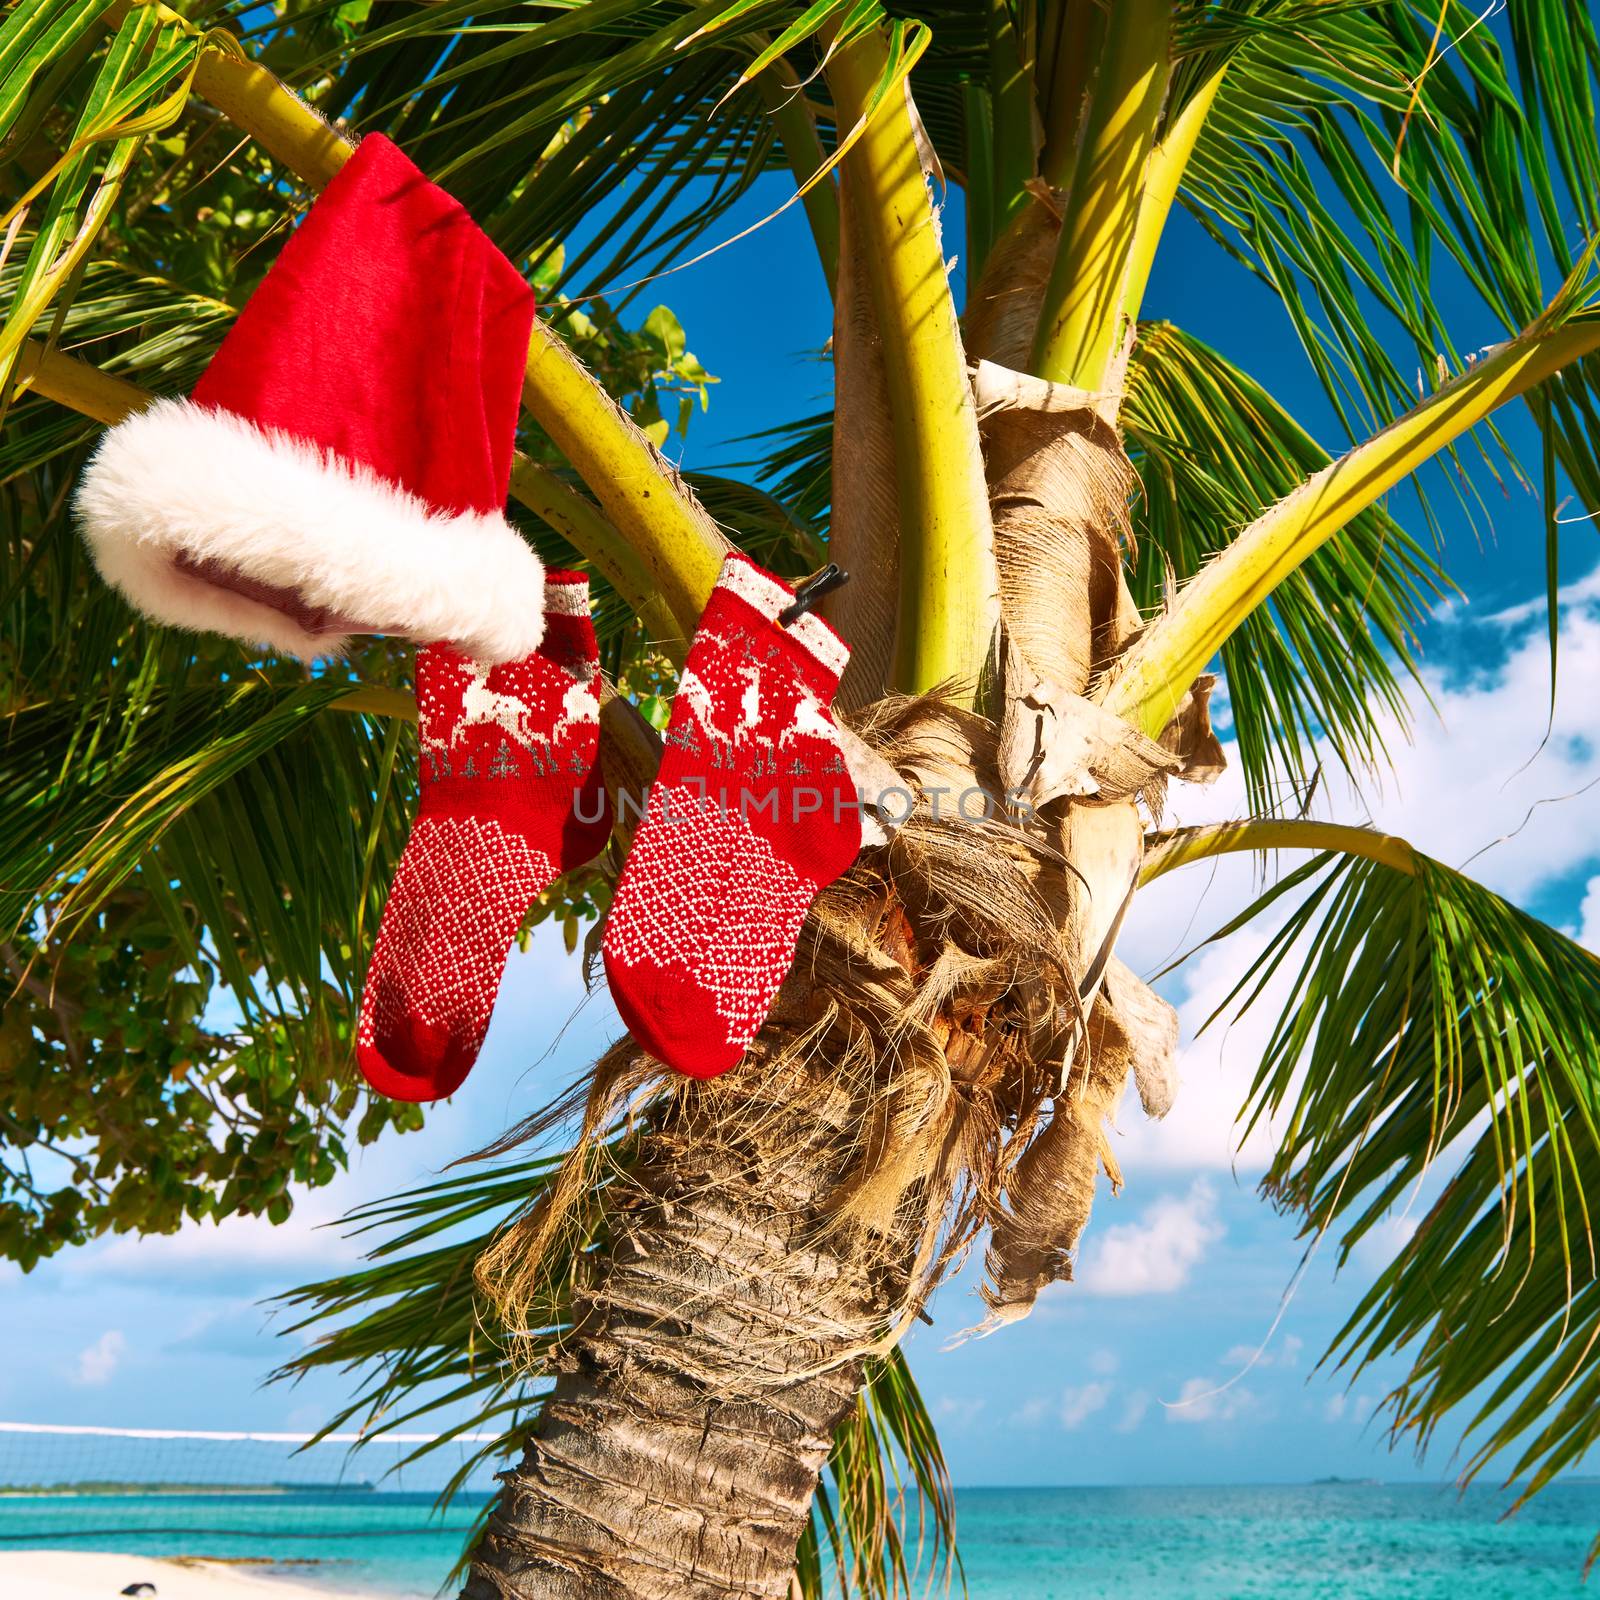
(65, 1481)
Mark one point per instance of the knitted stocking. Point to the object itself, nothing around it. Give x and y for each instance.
(511, 799)
(752, 813)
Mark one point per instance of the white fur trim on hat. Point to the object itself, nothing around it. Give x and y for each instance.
(179, 479)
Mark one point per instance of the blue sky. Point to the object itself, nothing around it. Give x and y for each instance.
(1125, 1375)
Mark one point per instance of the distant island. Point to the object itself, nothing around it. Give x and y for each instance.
(11, 1491)
(1349, 1483)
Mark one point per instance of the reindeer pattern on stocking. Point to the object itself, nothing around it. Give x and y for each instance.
(734, 696)
(479, 717)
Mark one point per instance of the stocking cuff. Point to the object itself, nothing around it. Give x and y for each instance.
(762, 592)
(566, 594)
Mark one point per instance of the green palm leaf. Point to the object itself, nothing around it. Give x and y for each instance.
(1431, 1027)
(1318, 662)
(131, 95)
(1345, 154)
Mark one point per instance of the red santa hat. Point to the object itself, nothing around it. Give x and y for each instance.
(342, 466)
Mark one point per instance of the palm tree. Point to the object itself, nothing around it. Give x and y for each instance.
(1059, 518)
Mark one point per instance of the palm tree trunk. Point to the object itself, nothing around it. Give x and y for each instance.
(711, 1359)
(776, 1224)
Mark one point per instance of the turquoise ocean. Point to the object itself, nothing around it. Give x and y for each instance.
(1329, 1541)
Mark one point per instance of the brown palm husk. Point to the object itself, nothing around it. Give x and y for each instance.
(935, 1005)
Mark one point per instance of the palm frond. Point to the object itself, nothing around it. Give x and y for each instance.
(170, 803)
(1431, 1027)
(1326, 660)
(267, 821)
(542, 124)
(1174, 651)
(140, 326)
(1349, 151)
(762, 523)
(1319, 660)
(130, 95)
(795, 460)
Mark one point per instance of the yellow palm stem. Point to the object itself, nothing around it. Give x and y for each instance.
(948, 584)
(583, 526)
(1082, 319)
(1070, 47)
(678, 545)
(77, 385)
(1156, 673)
(1181, 847)
(252, 99)
(373, 700)
(1011, 96)
(1168, 162)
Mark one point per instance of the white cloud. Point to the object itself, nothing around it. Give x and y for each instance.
(1104, 1362)
(1133, 1411)
(1384, 1240)
(1473, 774)
(1581, 592)
(1588, 932)
(1080, 1403)
(1156, 1254)
(1359, 1409)
(948, 1408)
(1215, 1069)
(1203, 1400)
(1284, 1354)
(1031, 1412)
(1075, 1405)
(97, 1362)
(206, 1256)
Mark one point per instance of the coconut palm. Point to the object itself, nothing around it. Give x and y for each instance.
(1061, 522)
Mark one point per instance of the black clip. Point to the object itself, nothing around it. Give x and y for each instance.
(811, 591)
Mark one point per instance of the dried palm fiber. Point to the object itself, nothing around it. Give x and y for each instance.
(1059, 478)
(964, 918)
(1190, 738)
(1050, 1191)
(1059, 482)
(1191, 744)
(1054, 744)
(932, 997)
(1002, 312)
(1139, 1022)
(864, 522)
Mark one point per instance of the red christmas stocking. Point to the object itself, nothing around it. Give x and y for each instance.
(511, 799)
(752, 813)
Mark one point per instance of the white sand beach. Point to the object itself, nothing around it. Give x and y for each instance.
(92, 1575)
